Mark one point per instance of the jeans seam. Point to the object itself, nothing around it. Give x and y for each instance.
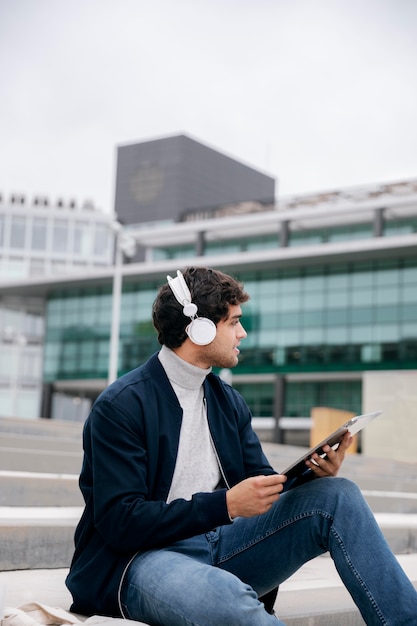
(168, 605)
(212, 538)
(358, 577)
(272, 531)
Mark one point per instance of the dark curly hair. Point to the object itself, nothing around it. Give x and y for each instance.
(211, 290)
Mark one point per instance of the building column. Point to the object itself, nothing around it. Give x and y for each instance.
(284, 234)
(46, 400)
(279, 405)
(379, 222)
(200, 243)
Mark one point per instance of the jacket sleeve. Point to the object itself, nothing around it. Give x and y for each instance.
(126, 512)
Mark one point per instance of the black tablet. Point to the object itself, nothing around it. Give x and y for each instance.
(298, 472)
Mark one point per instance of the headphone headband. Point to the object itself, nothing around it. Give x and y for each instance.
(200, 330)
(182, 293)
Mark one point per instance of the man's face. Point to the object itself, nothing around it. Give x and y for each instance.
(223, 351)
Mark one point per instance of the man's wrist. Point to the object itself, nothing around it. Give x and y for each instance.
(229, 512)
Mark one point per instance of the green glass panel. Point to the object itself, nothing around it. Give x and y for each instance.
(313, 336)
(336, 335)
(337, 317)
(262, 243)
(409, 272)
(387, 313)
(339, 298)
(290, 284)
(362, 277)
(361, 334)
(259, 396)
(362, 315)
(313, 318)
(338, 277)
(361, 297)
(386, 333)
(303, 396)
(409, 331)
(314, 282)
(314, 300)
(292, 301)
(409, 293)
(290, 319)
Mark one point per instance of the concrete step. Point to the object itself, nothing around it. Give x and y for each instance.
(39, 427)
(39, 489)
(391, 501)
(19, 488)
(40, 460)
(40, 446)
(315, 595)
(40, 505)
(40, 442)
(37, 537)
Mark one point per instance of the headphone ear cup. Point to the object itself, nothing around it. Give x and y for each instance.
(201, 331)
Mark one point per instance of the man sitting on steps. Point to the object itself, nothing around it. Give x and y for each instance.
(185, 521)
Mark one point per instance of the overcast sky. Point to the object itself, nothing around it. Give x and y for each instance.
(321, 94)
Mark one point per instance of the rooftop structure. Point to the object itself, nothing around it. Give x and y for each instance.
(40, 236)
(178, 178)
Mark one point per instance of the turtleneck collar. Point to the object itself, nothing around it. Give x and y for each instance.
(180, 372)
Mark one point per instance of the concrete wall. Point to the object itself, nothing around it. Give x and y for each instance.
(393, 435)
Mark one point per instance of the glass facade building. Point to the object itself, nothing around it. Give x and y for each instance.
(333, 294)
(333, 286)
(343, 317)
(40, 238)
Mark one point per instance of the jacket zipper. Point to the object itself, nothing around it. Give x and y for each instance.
(119, 590)
(225, 482)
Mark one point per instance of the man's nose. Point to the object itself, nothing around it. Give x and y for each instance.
(242, 332)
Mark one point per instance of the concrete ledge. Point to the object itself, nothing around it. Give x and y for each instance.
(34, 548)
(37, 538)
(314, 596)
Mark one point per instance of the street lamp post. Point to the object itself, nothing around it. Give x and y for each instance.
(115, 308)
(125, 245)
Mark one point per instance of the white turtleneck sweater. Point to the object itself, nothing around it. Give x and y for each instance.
(196, 468)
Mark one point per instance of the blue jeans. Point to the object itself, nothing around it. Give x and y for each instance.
(215, 579)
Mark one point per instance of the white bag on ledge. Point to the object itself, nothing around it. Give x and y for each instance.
(36, 614)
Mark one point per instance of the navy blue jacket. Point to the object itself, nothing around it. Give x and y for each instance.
(130, 447)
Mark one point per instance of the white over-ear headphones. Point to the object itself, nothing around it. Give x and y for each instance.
(200, 330)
